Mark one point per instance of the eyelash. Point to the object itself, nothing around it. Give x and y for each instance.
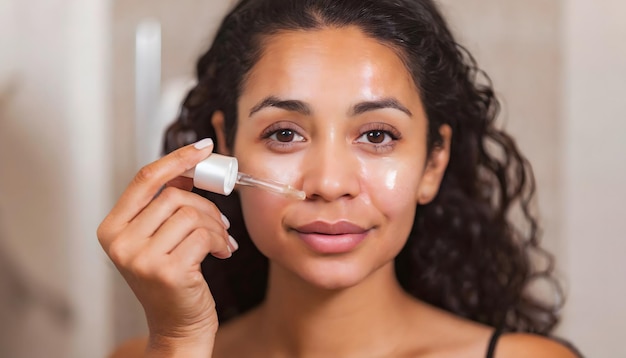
(274, 129)
(386, 130)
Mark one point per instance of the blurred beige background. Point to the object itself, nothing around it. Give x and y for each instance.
(68, 148)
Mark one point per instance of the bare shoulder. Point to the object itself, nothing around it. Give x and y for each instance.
(133, 348)
(515, 345)
(452, 336)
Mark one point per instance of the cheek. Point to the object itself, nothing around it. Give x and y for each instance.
(281, 168)
(263, 211)
(392, 186)
(263, 215)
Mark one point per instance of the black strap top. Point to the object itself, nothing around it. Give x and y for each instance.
(491, 349)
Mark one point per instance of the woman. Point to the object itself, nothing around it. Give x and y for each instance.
(403, 246)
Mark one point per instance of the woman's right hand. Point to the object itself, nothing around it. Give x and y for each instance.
(158, 240)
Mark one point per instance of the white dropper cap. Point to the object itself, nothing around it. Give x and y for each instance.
(217, 174)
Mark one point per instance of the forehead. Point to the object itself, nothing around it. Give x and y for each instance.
(332, 61)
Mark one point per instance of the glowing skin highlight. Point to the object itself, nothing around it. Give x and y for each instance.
(336, 114)
(391, 179)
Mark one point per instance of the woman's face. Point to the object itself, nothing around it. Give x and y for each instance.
(336, 114)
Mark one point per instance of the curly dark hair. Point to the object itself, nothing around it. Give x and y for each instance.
(465, 253)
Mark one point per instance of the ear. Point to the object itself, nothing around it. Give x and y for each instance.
(217, 121)
(435, 167)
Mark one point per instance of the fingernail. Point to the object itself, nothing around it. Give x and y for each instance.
(230, 252)
(233, 243)
(201, 144)
(225, 221)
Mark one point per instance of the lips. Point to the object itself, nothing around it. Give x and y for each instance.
(335, 238)
(339, 228)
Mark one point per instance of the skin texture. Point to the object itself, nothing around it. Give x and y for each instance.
(346, 302)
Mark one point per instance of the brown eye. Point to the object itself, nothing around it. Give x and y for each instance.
(378, 137)
(285, 135)
(375, 137)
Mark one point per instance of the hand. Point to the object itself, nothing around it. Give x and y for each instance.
(157, 242)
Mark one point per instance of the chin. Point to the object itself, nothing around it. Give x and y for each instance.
(333, 283)
(333, 274)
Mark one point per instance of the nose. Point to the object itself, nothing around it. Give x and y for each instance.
(331, 172)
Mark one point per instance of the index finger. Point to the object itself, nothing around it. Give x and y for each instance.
(151, 178)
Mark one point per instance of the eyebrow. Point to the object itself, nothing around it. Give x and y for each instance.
(304, 109)
(363, 107)
(288, 105)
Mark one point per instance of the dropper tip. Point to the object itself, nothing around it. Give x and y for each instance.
(299, 194)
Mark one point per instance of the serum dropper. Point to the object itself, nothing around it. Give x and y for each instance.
(219, 174)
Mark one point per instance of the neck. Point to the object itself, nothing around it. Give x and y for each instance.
(299, 319)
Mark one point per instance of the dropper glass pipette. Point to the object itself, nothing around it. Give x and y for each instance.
(270, 185)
